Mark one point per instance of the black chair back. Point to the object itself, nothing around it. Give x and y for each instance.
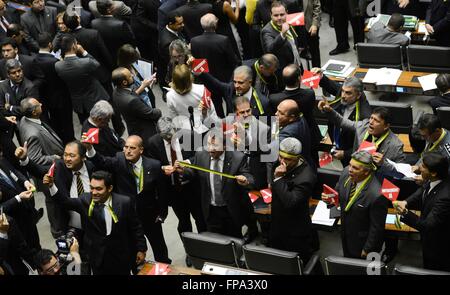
(272, 260)
(400, 269)
(424, 58)
(444, 116)
(336, 265)
(372, 55)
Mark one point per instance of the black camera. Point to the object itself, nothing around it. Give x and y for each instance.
(64, 242)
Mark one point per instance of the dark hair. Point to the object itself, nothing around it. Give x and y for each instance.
(383, 113)
(239, 100)
(172, 17)
(443, 82)
(81, 147)
(429, 122)
(44, 39)
(437, 163)
(277, 4)
(268, 60)
(103, 175)
(416, 140)
(292, 79)
(126, 55)
(396, 21)
(71, 21)
(67, 43)
(118, 76)
(13, 30)
(42, 257)
(9, 41)
(103, 6)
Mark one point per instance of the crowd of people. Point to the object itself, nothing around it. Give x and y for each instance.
(244, 124)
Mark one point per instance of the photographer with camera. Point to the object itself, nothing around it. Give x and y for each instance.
(61, 263)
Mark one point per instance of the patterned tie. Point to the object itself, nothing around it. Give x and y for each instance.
(176, 176)
(217, 179)
(80, 188)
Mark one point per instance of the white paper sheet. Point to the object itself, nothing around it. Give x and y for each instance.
(428, 82)
(322, 215)
(404, 169)
(371, 76)
(145, 69)
(388, 76)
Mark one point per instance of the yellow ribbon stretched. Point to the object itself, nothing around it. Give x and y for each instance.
(192, 166)
(288, 155)
(113, 215)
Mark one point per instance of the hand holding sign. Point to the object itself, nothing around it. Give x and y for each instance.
(51, 171)
(330, 196)
(296, 19)
(309, 79)
(368, 147)
(267, 195)
(200, 65)
(91, 136)
(389, 190)
(325, 159)
(253, 196)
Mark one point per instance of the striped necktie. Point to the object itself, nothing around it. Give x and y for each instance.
(80, 188)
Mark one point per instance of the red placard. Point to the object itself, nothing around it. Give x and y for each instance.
(92, 136)
(267, 195)
(200, 65)
(253, 196)
(332, 194)
(206, 98)
(368, 146)
(310, 80)
(389, 190)
(51, 171)
(325, 159)
(296, 19)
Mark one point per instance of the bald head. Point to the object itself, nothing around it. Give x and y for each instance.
(287, 112)
(133, 149)
(136, 139)
(121, 77)
(290, 106)
(291, 76)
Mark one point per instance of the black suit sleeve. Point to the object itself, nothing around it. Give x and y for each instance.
(377, 215)
(135, 229)
(214, 85)
(143, 111)
(330, 86)
(415, 200)
(104, 52)
(74, 204)
(129, 33)
(106, 163)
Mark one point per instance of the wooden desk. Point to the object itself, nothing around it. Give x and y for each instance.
(405, 83)
(174, 270)
(313, 202)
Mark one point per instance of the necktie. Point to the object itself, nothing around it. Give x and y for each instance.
(352, 191)
(14, 88)
(6, 179)
(4, 23)
(217, 180)
(138, 178)
(80, 188)
(176, 176)
(99, 217)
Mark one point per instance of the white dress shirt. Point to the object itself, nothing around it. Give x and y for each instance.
(75, 219)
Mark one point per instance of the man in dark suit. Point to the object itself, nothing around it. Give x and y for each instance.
(172, 31)
(291, 228)
(166, 7)
(351, 103)
(291, 124)
(17, 201)
(114, 239)
(14, 89)
(241, 86)
(7, 126)
(109, 142)
(167, 147)
(264, 70)
(443, 84)
(433, 200)
(30, 70)
(141, 179)
(305, 98)
(5, 20)
(39, 19)
(54, 93)
(115, 32)
(225, 202)
(25, 44)
(13, 248)
(279, 38)
(191, 12)
(437, 22)
(144, 23)
(363, 209)
(140, 118)
(78, 74)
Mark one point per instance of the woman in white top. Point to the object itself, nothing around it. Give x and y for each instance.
(185, 94)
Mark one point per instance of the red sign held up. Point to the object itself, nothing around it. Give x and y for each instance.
(200, 65)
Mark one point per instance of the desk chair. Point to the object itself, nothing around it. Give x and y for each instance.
(279, 262)
(372, 55)
(212, 247)
(401, 269)
(321, 118)
(424, 58)
(336, 265)
(401, 115)
(325, 176)
(444, 116)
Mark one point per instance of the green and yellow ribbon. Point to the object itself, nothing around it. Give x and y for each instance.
(140, 177)
(379, 140)
(291, 32)
(357, 192)
(258, 102)
(192, 166)
(436, 143)
(288, 155)
(113, 215)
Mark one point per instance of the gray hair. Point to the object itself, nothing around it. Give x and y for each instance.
(291, 146)
(209, 22)
(27, 107)
(365, 158)
(165, 127)
(355, 83)
(101, 110)
(243, 70)
(179, 46)
(12, 64)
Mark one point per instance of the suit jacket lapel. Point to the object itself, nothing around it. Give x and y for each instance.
(162, 148)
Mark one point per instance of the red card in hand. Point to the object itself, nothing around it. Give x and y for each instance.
(92, 136)
(325, 159)
(253, 196)
(228, 129)
(160, 269)
(267, 195)
(51, 171)
(200, 65)
(206, 98)
(310, 80)
(367, 146)
(389, 190)
(296, 19)
(332, 194)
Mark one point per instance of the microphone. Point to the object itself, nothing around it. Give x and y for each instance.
(191, 116)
